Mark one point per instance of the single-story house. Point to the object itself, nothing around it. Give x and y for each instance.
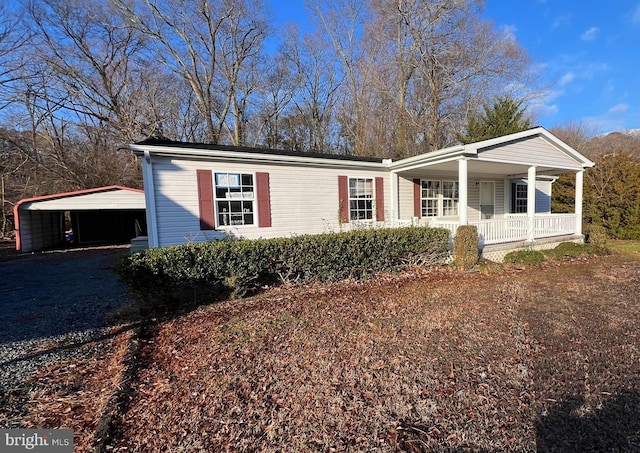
(99, 216)
(202, 192)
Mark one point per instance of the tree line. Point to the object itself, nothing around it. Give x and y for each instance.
(611, 187)
(81, 79)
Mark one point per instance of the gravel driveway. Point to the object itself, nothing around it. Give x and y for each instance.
(52, 303)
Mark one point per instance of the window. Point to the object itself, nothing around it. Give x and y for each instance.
(430, 195)
(439, 198)
(361, 198)
(520, 198)
(234, 199)
(449, 198)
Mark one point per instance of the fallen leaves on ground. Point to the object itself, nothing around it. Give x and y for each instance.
(545, 358)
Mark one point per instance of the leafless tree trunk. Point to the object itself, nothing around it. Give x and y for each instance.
(209, 44)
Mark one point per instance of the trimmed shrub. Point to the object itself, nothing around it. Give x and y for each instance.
(524, 257)
(465, 247)
(166, 278)
(597, 236)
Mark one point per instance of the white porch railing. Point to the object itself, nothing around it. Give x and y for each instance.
(515, 227)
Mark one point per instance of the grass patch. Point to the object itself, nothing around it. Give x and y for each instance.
(528, 257)
(627, 247)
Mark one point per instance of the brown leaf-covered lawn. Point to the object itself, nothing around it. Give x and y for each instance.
(512, 359)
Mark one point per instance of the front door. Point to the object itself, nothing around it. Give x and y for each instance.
(487, 199)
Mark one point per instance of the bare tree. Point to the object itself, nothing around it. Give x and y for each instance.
(93, 58)
(318, 82)
(276, 93)
(209, 44)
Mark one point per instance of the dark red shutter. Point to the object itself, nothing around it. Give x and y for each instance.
(343, 198)
(380, 199)
(264, 199)
(205, 200)
(417, 204)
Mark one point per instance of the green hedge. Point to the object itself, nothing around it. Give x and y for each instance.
(230, 268)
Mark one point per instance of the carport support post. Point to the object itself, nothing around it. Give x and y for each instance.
(531, 203)
(463, 192)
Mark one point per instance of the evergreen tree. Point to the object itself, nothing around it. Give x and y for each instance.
(505, 117)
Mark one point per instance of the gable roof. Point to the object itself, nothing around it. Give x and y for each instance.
(566, 155)
(70, 200)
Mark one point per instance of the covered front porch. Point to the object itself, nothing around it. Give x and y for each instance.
(502, 186)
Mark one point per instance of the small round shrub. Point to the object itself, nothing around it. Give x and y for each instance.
(465, 247)
(597, 236)
(524, 257)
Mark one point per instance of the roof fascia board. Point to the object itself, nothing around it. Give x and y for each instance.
(181, 152)
(432, 158)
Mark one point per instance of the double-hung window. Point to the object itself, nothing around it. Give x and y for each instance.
(520, 197)
(430, 195)
(439, 198)
(235, 197)
(361, 198)
(449, 198)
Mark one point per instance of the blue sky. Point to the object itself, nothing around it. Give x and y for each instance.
(588, 53)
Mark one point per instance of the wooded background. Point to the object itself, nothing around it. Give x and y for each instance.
(81, 79)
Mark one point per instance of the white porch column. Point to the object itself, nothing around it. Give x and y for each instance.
(507, 196)
(531, 203)
(578, 209)
(463, 192)
(393, 191)
(150, 200)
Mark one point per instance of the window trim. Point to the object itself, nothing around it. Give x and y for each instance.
(253, 199)
(371, 199)
(439, 198)
(524, 199)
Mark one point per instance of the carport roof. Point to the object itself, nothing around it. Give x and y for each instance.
(114, 198)
(100, 198)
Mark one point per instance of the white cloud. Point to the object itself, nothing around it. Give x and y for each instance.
(561, 21)
(635, 18)
(618, 108)
(545, 106)
(567, 78)
(590, 34)
(614, 119)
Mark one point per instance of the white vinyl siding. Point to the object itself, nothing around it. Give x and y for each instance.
(304, 199)
(533, 151)
(405, 198)
(543, 197)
